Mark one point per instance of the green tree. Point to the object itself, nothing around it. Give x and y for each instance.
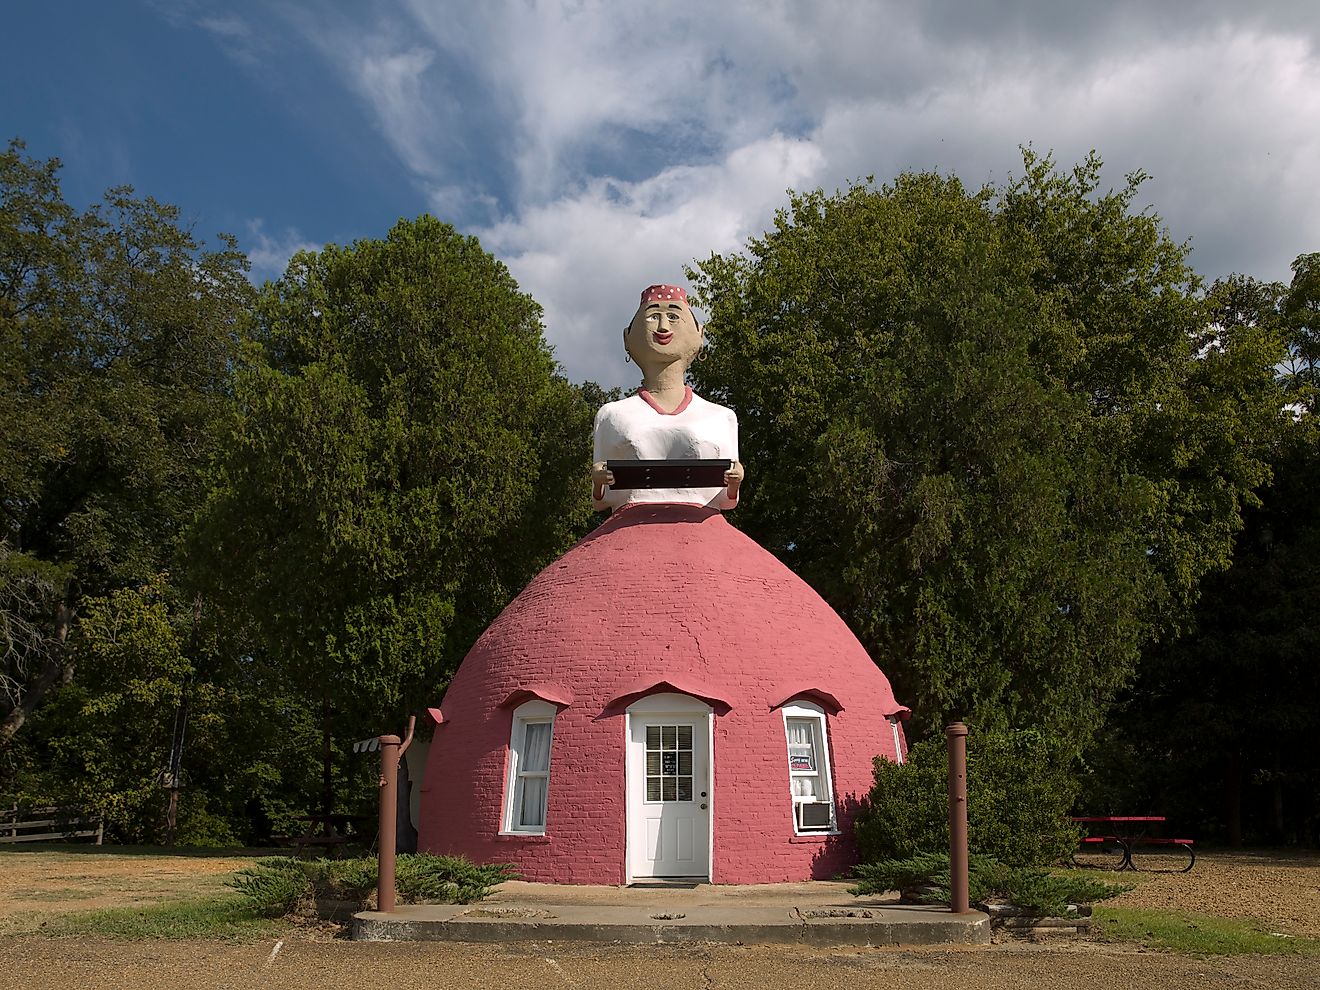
(1300, 306)
(1217, 731)
(117, 331)
(403, 457)
(108, 734)
(992, 428)
(166, 687)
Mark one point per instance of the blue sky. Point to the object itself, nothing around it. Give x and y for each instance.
(599, 146)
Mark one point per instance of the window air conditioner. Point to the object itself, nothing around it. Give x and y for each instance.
(815, 815)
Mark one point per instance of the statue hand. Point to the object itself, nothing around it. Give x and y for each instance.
(601, 477)
(733, 479)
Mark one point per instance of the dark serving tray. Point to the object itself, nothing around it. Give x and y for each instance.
(689, 472)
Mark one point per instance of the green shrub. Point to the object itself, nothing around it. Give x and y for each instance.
(280, 885)
(1045, 893)
(1020, 789)
(273, 887)
(446, 879)
(1038, 891)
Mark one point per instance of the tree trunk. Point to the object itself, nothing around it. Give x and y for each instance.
(327, 781)
(1233, 798)
(52, 670)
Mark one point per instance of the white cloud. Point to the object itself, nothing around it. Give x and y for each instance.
(587, 255)
(1224, 123)
(235, 36)
(270, 255)
(392, 82)
(615, 142)
(389, 71)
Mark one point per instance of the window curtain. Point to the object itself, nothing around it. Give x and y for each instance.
(534, 759)
(532, 808)
(536, 748)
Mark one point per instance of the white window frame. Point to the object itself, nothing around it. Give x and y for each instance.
(534, 712)
(898, 741)
(807, 710)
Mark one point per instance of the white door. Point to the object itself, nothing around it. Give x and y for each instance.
(669, 794)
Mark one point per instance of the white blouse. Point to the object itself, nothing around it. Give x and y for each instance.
(635, 429)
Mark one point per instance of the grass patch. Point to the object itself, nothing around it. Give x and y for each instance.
(228, 918)
(1197, 934)
(58, 894)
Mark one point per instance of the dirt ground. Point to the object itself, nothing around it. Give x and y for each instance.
(32, 963)
(35, 884)
(1280, 891)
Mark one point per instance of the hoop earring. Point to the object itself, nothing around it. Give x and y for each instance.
(705, 353)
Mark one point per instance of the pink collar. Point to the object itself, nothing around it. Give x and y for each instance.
(687, 399)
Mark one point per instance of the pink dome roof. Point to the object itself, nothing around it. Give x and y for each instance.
(658, 598)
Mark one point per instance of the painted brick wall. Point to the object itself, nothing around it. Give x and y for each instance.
(657, 593)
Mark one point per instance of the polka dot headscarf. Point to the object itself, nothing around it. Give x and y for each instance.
(661, 293)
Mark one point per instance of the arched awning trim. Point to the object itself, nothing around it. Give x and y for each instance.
(556, 695)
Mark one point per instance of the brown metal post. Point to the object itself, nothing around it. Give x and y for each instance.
(956, 735)
(391, 748)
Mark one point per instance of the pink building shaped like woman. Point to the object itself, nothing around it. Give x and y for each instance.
(667, 699)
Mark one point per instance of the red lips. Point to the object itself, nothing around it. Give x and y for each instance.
(663, 336)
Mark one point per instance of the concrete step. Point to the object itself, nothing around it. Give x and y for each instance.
(657, 922)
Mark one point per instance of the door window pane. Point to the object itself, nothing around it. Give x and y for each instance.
(669, 763)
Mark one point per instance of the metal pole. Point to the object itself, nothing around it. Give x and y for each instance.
(391, 748)
(956, 735)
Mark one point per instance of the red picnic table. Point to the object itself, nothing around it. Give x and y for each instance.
(1115, 848)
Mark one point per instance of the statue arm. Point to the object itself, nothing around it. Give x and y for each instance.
(601, 476)
(733, 478)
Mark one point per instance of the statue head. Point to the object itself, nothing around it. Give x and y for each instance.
(664, 330)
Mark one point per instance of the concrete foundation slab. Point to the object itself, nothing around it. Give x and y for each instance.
(815, 913)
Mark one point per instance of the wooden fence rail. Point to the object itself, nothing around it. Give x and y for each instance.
(49, 825)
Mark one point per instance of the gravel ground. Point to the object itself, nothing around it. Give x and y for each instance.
(46, 964)
(1279, 890)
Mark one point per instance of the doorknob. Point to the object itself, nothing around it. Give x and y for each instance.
(703, 805)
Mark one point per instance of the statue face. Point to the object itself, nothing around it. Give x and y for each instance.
(662, 332)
